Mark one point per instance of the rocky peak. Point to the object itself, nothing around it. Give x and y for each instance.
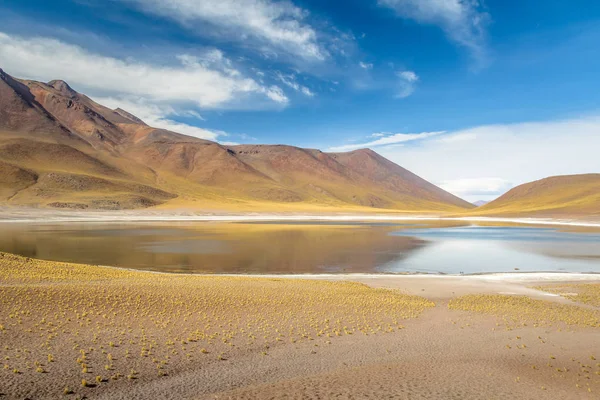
(63, 87)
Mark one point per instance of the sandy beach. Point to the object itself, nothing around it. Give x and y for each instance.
(76, 331)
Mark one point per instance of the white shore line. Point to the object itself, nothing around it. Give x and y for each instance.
(522, 276)
(492, 276)
(111, 218)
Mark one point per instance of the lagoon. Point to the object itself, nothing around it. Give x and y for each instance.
(433, 247)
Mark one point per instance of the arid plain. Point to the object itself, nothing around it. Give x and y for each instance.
(77, 331)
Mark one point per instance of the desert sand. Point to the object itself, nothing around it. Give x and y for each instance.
(78, 331)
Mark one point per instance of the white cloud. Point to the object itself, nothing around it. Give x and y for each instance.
(276, 94)
(157, 116)
(476, 187)
(364, 65)
(277, 23)
(211, 59)
(515, 153)
(408, 81)
(290, 80)
(408, 76)
(207, 82)
(463, 21)
(457, 137)
(386, 139)
(307, 92)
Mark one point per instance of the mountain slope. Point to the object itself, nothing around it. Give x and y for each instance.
(95, 123)
(394, 178)
(555, 196)
(20, 111)
(59, 148)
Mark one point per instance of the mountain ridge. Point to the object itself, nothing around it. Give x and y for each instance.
(85, 155)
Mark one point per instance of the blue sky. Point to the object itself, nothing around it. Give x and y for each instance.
(475, 96)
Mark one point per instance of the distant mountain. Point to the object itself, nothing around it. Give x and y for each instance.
(59, 148)
(480, 203)
(555, 196)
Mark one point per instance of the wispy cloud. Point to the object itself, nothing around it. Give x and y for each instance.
(365, 65)
(290, 80)
(387, 139)
(161, 116)
(407, 81)
(463, 21)
(485, 159)
(208, 82)
(278, 24)
(158, 94)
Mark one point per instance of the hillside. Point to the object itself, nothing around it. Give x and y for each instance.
(568, 195)
(59, 148)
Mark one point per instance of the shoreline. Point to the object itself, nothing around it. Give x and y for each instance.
(483, 276)
(48, 216)
(508, 277)
(513, 276)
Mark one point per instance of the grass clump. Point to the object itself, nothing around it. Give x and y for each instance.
(94, 318)
(586, 293)
(522, 310)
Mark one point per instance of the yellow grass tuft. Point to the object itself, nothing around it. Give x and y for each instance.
(518, 310)
(586, 293)
(152, 321)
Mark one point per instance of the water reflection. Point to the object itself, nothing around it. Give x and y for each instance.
(480, 249)
(218, 248)
(301, 247)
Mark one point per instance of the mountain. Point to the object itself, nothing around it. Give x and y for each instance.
(480, 203)
(567, 195)
(59, 148)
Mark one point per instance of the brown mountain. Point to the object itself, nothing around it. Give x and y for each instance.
(59, 148)
(557, 196)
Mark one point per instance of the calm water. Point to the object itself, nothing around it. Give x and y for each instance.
(282, 248)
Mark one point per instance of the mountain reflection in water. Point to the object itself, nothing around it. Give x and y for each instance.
(308, 247)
